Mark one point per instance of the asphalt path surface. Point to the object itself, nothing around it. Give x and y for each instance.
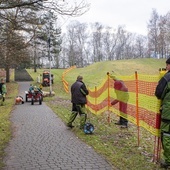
(41, 141)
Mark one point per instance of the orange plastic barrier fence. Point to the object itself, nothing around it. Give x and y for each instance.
(65, 83)
(143, 106)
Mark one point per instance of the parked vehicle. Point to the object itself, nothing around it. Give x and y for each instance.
(46, 78)
(35, 95)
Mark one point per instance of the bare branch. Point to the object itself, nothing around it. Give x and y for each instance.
(13, 4)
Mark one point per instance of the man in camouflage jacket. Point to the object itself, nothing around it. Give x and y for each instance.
(162, 92)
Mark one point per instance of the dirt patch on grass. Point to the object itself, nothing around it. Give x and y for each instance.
(62, 102)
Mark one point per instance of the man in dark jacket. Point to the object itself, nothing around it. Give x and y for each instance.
(78, 99)
(162, 92)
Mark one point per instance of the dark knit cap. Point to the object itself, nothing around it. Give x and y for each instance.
(79, 78)
(168, 61)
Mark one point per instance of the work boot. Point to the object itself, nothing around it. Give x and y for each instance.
(70, 126)
(71, 119)
(118, 123)
(124, 126)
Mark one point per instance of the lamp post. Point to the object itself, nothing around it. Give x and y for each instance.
(35, 53)
(49, 50)
(49, 57)
(49, 23)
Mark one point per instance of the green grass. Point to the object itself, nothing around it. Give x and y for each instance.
(94, 74)
(120, 147)
(5, 124)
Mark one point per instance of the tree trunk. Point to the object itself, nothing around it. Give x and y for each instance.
(7, 74)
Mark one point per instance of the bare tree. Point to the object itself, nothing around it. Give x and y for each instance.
(161, 37)
(76, 41)
(128, 46)
(167, 33)
(19, 15)
(96, 42)
(81, 35)
(122, 37)
(140, 46)
(109, 43)
(153, 31)
(62, 7)
(9, 4)
(71, 46)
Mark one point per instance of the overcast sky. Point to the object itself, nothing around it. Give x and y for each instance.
(134, 14)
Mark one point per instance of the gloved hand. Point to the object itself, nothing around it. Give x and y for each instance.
(114, 102)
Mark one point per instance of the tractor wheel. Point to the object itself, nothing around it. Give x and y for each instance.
(32, 100)
(40, 100)
(26, 98)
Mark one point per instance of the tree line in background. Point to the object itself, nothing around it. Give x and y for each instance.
(30, 36)
(84, 44)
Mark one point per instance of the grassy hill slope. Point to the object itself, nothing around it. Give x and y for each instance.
(94, 74)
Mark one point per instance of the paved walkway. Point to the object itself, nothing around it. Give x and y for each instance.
(42, 142)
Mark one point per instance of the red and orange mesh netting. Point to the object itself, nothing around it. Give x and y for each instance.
(143, 106)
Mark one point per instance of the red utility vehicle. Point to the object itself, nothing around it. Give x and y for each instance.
(46, 78)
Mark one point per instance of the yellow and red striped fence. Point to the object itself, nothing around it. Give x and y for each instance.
(65, 83)
(143, 106)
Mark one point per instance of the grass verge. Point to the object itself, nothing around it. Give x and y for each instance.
(5, 124)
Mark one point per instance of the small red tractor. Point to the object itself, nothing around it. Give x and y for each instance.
(34, 96)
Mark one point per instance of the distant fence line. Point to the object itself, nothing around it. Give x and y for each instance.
(65, 83)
